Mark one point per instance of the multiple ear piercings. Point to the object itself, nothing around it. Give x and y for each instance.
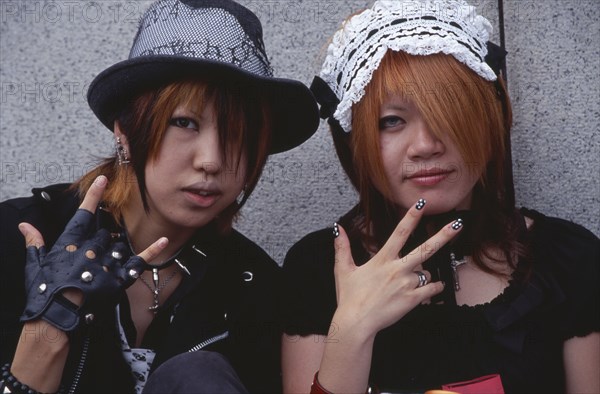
(122, 157)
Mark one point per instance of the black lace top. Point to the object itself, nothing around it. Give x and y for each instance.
(518, 335)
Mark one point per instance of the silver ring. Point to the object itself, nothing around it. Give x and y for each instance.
(422, 278)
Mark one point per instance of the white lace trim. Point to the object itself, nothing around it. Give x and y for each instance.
(427, 27)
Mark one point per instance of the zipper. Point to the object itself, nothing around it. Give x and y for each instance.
(79, 370)
(209, 341)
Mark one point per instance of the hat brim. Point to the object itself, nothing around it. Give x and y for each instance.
(293, 107)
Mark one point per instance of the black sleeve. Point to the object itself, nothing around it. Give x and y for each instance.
(258, 330)
(572, 253)
(12, 280)
(309, 285)
(49, 215)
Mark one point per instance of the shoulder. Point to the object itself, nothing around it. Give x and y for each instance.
(311, 258)
(48, 209)
(312, 247)
(562, 241)
(309, 284)
(567, 257)
(249, 259)
(241, 245)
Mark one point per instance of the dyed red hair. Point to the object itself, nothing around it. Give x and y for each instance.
(456, 102)
(243, 119)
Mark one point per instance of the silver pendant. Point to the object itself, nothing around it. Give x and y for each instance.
(454, 264)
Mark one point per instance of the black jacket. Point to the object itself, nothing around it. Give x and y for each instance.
(233, 290)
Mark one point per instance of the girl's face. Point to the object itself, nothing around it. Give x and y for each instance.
(188, 184)
(420, 165)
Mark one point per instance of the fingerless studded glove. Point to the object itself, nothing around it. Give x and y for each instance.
(80, 259)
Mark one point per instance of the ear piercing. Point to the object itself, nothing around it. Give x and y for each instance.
(122, 157)
(420, 204)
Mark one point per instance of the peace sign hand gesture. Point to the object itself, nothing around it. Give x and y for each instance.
(383, 290)
(82, 270)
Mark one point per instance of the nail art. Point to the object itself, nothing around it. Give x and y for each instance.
(458, 223)
(420, 204)
(336, 230)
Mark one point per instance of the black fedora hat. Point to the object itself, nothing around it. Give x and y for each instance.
(211, 39)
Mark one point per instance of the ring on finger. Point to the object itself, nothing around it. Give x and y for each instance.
(422, 279)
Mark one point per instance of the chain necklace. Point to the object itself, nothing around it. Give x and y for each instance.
(157, 287)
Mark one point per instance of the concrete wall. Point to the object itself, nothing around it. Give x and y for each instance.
(50, 51)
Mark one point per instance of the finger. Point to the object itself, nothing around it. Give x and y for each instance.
(343, 253)
(154, 250)
(402, 231)
(116, 256)
(76, 230)
(428, 291)
(432, 245)
(100, 241)
(422, 278)
(94, 194)
(32, 236)
(130, 271)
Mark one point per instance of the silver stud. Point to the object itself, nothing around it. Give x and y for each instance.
(247, 276)
(89, 318)
(183, 267)
(87, 276)
(116, 255)
(42, 288)
(198, 250)
(46, 196)
(134, 274)
(225, 316)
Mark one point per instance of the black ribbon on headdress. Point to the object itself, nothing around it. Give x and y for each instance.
(328, 102)
(495, 58)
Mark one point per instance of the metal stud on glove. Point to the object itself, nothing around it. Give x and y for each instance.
(81, 258)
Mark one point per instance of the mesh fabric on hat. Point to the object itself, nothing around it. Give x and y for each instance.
(173, 28)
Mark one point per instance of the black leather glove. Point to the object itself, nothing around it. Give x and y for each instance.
(92, 263)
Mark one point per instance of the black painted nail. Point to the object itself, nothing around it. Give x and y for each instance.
(336, 230)
(420, 204)
(458, 223)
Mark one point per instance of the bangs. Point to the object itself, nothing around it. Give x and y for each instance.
(453, 100)
(243, 121)
(238, 109)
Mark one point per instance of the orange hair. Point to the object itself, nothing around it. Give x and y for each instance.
(453, 101)
(243, 119)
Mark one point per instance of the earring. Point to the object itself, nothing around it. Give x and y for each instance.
(241, 196)
(121, 152)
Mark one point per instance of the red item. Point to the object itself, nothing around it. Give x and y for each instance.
(489, 384)
(316, 387)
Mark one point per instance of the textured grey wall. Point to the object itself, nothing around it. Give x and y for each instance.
(50, 51)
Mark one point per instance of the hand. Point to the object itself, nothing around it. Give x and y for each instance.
(383, 290)
(85, 266)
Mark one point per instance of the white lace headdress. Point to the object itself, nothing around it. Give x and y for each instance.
(421, 27)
